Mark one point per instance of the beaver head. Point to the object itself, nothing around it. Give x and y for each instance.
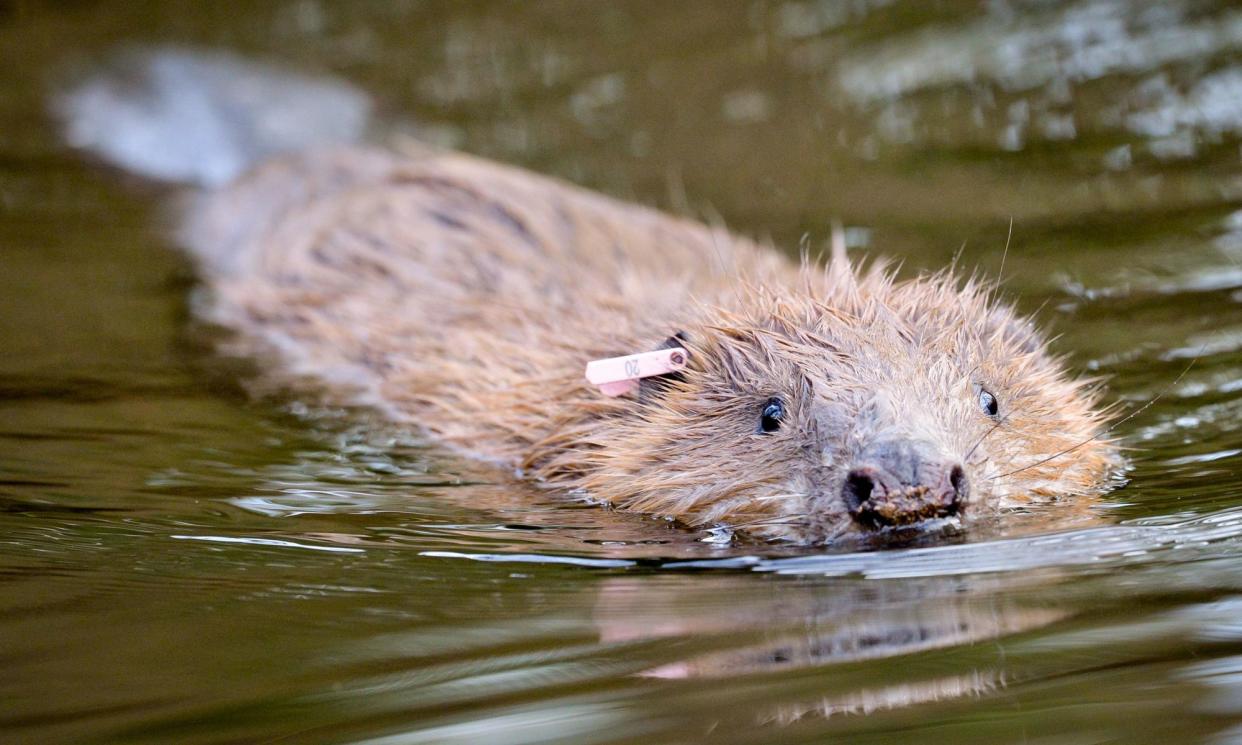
(858, 406)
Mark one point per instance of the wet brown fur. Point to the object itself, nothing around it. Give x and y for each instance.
(465, 297)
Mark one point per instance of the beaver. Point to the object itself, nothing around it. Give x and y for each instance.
(819, 401)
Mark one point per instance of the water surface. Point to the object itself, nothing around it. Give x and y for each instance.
(182, 562)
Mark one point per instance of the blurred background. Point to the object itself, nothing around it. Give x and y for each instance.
(180, 562)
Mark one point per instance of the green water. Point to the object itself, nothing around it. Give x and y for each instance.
(180, 562)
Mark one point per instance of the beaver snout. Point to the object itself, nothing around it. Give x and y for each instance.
(901, 482)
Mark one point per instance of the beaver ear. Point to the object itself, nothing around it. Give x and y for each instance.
(1005, 325)
(678, 339)
(657, 385)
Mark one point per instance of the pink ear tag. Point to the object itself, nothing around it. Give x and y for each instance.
(617, 376)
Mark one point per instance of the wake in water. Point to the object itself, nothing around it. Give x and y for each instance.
(1140, 541)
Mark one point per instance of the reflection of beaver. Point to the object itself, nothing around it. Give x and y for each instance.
(830, 628)
(465, 297)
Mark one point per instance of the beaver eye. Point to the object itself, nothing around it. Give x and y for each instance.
(988, 403)
(773, 413)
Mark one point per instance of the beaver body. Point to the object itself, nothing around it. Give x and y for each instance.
(464, 298)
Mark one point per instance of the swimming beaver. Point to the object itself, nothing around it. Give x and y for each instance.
(465, 297)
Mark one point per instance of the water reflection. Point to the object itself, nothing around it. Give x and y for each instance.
(853, 623)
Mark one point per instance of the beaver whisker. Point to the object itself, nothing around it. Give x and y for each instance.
(829, 537)
(771, 497)
(777, 523)
(1000, 275)
(979, 442)
(777, 520)
(1110, 429)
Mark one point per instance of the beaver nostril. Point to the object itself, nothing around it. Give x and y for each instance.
(957, 480)
(877, 498)
(859, 485)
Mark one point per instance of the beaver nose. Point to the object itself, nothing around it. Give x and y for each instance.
(900, 482)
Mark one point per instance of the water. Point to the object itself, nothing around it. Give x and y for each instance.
(184, 562)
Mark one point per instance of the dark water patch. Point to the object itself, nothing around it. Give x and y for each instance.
(29, 507)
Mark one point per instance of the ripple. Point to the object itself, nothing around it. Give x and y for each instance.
(1084, 41)
(250, 541)
(517, 727)
(532, 559)
(1114, 545)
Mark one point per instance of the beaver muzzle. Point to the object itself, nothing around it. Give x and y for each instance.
(902, 482)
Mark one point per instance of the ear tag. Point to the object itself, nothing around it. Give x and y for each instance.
(617, 376)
